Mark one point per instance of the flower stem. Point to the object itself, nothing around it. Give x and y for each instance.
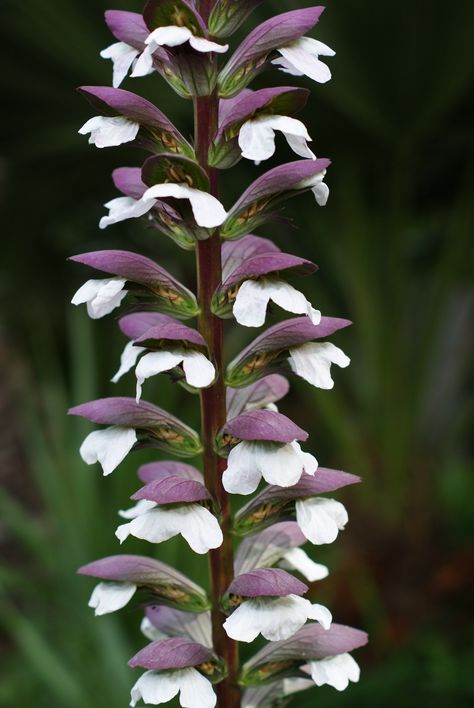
(213, 409)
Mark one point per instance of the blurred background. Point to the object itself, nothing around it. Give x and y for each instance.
(393, 245)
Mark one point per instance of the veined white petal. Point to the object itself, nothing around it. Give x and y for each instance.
(155, 363)
(102, 296)
(250, 306)
(139, 508)
(312, 361)
(195, 523)
(199, 371)
(257, 137)
(106, 131)
(207, 210)
(336, 671)
(128, 359)
(320, 519)
(122, 208)
(297, 559)
(302, 57)
(196, 690)
(122, 56)
(321, 614)
(109, 447)
(144, 64)
(110, 597)
(169, 36)
(200, 44)
(155, 687)
(278, 463)
(276, 618)
(321, 193)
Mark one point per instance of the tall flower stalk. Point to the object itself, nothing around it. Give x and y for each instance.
(246, 445)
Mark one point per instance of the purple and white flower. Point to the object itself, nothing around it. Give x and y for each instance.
(156, 687)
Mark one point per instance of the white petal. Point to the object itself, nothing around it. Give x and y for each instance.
(257, 140)
(207, 210)
(336, 671)
(128, 359)
(169, 36)
(201, 529)
(275, 618)
(109, 447)
(300, 146)
(321, 193)
(140, 507)
(321, 614)
(286, 67)
(288, 298)
(242, 475)
(196, 690)
(101, 296)
(294, 685)
(312, 361)
(195, 523)
(204, 45)
(320, 519)
(123, 208)
(110, 131)
(199, 371)
(110, 597)
(123, 56)
(297, 559)
(144, 64)
(155, 363)
(302, 56)
(309, 462)
(250, 305)
(155, 687)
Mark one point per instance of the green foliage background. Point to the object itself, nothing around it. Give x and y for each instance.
(393, 245)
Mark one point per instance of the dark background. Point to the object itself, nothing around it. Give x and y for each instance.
(394, 247)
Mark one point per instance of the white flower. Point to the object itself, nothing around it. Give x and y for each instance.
(312, 361)
(198, 370)
(257, 137)
(196, 525)
(207, 210)
(318, 187)
(122, 56)
(139, 508)
(173, 36)
(336, 671)
(301, 58)
(321, 519)
(109, 447)
(122, 208)
(106, 131)
(110, 597)
(101, 296)
(156, 687)
(128, 359)
(297, 559)
(252, 299)
(276, 618)
(278, 463)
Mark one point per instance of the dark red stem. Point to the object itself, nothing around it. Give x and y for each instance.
(213, 405)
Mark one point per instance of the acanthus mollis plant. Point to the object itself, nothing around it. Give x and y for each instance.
(246, 445)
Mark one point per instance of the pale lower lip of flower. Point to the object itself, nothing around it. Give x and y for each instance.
(312, 361)
(301, 58)
(320, 519)
(109, 447)
(122, 208)
(102, 296)
(208, 211)
(257, 137)
(297, 559)
(254, 295)
(198, 370)
(122, 56)
(173, 36)
(110, 597)
(156, 687)
(108, 131)
(335, 671)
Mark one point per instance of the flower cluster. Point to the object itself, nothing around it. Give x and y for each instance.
(248, 446)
